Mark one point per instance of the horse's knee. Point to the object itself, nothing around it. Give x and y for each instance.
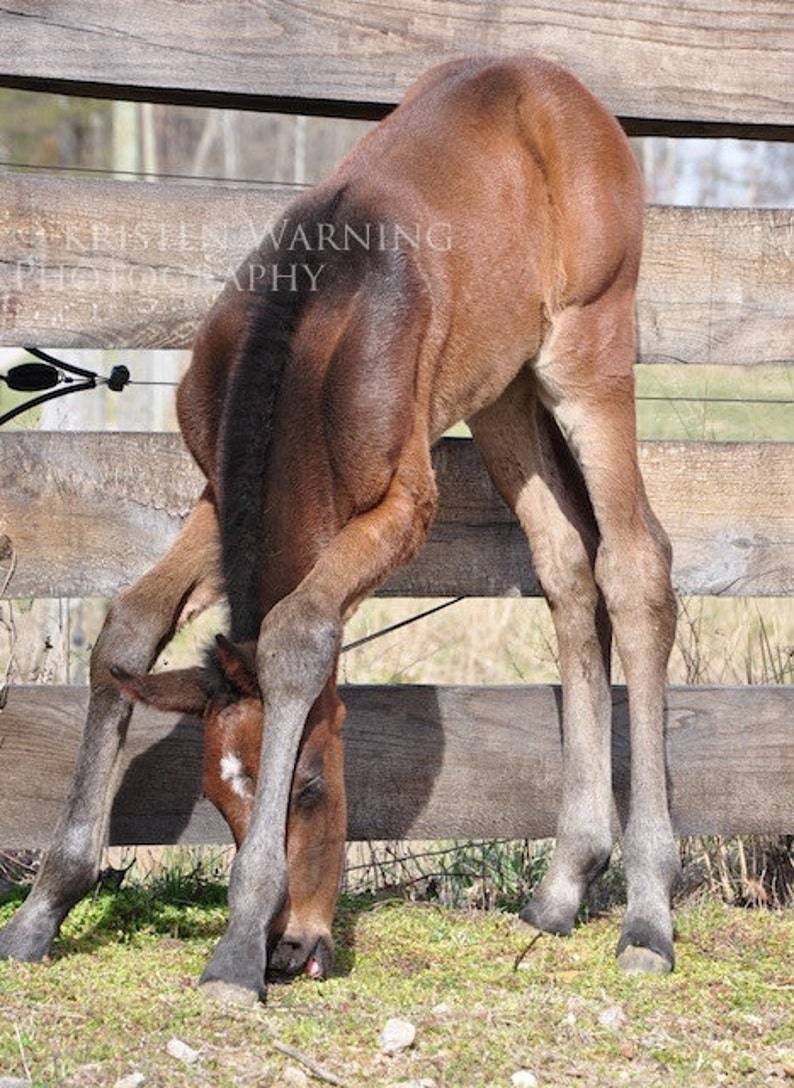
(132, 634)
(297, 646)
(111, 648)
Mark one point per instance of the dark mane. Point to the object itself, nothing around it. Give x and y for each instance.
(251, 404)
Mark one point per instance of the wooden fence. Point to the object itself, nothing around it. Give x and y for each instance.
(126, 265)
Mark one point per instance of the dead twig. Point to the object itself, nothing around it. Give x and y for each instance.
(314, 1067)
(525, 951)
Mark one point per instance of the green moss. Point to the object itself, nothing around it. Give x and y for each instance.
(484, 1001)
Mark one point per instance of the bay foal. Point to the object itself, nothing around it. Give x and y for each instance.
(475, 257)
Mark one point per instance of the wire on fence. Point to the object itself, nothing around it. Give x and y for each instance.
(55, 378)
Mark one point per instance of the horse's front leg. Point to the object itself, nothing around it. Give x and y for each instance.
(137, 626)
(297, 650)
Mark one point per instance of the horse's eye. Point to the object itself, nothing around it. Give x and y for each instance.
(309, 794)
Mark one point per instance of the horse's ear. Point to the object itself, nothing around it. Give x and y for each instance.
(238, 663)
(185, 691)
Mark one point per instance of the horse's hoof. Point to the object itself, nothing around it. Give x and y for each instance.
(227, 993)
(635, 960)
(20, 942)
(547, 920)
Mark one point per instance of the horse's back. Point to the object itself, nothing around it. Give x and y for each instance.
(508, 188)
(476, 120)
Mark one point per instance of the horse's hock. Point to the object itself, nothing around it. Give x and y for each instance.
(86, 514)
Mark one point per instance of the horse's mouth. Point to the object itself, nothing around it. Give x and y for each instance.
(293, 956)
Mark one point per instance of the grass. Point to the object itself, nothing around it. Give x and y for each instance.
(485, 1001)
(715, 403)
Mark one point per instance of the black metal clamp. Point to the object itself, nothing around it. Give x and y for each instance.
(59, 379)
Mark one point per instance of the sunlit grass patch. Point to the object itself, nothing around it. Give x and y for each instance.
(484, 998)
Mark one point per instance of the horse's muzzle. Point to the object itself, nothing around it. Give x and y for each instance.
(295, 955)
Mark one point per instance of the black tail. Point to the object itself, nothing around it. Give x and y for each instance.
(250, 409)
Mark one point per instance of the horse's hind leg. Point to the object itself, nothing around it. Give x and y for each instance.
(138, 625)
(535, 472)
(297, 650)
(586, 371)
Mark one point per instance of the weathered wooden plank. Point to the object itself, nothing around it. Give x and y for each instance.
(712, 286)
(88, 513)
(421, 762)
(95, 264)
(727, 63)
(125, 265)
(57, 508)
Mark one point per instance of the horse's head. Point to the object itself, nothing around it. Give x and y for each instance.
(224, 693)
